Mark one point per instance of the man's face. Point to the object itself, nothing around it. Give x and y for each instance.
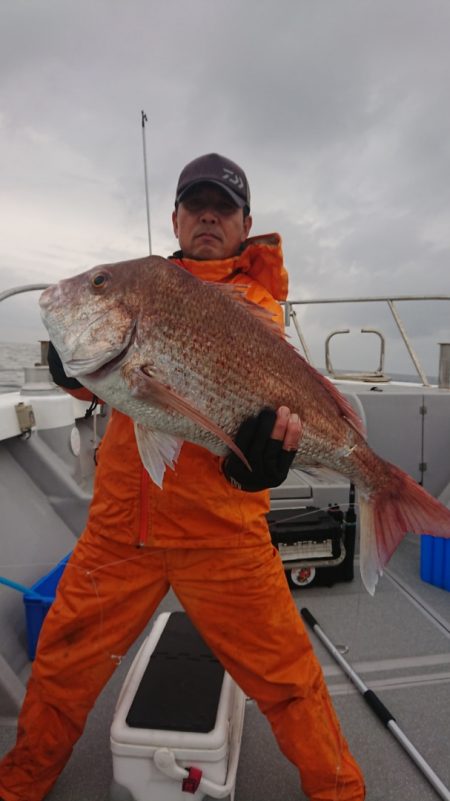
(208, 225)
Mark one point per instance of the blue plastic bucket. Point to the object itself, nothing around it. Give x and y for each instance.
(38, 601)
(435, 561)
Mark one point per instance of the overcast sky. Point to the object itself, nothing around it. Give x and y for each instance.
(338, 111)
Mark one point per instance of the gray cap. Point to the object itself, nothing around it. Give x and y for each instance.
(215, 169)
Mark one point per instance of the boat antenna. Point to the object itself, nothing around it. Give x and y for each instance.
(144, 150)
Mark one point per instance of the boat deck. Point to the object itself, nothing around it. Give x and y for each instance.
(398, 642)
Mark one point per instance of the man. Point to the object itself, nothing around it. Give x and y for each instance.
(205, 534)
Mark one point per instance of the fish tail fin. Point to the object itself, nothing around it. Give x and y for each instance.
(401, 506)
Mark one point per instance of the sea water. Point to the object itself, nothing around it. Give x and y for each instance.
(14, 356)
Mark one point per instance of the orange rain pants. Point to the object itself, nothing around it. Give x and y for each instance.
(244, 611)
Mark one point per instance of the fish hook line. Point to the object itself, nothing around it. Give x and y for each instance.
(142, 553)
(94, 573)
(93, 576)
(297, 515)
(300, 514)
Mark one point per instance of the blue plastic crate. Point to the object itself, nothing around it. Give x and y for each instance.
(435, 561)
(38, 601)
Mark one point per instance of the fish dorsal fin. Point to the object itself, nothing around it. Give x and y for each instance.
(149, 388)
(237, 292)
(345, 408)
(157, 450)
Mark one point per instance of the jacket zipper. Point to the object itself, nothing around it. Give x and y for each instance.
(143, 521)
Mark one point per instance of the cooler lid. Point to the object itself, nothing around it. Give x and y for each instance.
(151, 701)
(181, 685)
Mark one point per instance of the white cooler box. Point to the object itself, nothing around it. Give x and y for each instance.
(177, 728)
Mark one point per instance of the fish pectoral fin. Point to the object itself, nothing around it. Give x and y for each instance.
(157, 450)
(150, 388)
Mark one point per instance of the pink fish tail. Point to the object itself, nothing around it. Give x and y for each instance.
(401, 506)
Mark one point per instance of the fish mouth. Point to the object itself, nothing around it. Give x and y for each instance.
(101, 365)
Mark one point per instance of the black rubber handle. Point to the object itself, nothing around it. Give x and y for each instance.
(308, 617)
(378, 707)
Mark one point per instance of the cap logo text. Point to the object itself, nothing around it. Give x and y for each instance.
(232, 178)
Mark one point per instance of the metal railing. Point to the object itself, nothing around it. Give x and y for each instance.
(291, 314)
(17, 290)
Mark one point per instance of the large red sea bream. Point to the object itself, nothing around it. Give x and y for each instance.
(190, 360)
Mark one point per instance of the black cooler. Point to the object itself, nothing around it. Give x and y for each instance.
(317, 547)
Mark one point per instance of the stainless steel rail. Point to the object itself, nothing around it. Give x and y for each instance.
(17, 290)
(291, 313)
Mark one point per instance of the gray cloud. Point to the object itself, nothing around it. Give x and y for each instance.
(338, 111)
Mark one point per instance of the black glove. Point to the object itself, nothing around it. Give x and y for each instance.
(270, 463)
(57, 370)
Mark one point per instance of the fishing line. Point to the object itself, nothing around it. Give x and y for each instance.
(312, 511)
(90, 574)
(358, 617)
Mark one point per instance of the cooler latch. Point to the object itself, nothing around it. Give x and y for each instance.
(192, 781)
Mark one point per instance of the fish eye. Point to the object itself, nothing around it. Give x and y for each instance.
(99, 280)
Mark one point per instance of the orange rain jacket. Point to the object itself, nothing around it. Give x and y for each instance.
(197, 507)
